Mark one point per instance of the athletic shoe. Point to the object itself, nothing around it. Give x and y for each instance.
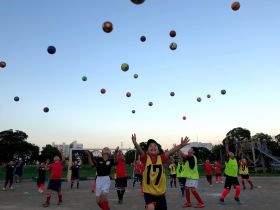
(222, 201)
(244, 188)
(47, 204)
(4, 188)
(217, 182)
(237, 201)
(222, 182)
(186, 205)
(200, 205)
(252, 187)
(11, 188)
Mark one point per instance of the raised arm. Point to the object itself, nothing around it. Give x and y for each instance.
(137, 146)
(89, 158)
(184, 141)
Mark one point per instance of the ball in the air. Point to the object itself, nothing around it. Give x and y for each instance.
(173, 46)
(172, 94)
(51, 50)
(84, 78)
(235, 6)
(135, 76)
(46, 109)
(150, 103)
(128, 94)
(125, 67)
(107, 26)
(137, 1)
(172, 33)
(102, 91)
(223, 92)
(2, 64)
(16, 98)
(184, 117)
(208, 96)
(142, 38)
(133, 111)
(198, 99)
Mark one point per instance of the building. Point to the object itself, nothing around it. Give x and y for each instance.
(208, 146)
(65, 148)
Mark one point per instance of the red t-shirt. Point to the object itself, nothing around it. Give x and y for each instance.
(56, 169)
(154, 158)
(139, 168)
(217, 168)
(121, 167)
(208, 169)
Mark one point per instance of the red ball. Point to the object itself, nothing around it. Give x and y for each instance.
(184, 117)
(107, 27)
(103, 91)
(128, 94)
(235, 6)
(2, 64)
(172, 33)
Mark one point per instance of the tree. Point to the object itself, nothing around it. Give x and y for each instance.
(202, 154)
(272, 145)
(277, 138)
(49, 152)
(236, 135)
(217, 151)
(13, 145)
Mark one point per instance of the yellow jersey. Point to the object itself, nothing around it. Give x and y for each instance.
(154, 179)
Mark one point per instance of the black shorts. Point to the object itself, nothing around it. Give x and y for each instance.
(75, 176)
(139, 177)
(121, 182)
(55, 185)
(173, 176)
(218, 175)
(209, 177)
(230, 180)
(159, 201)
(245, 176)
(182, 181)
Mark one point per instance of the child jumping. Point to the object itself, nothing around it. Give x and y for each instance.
(41, 177)
(103, 166)
(75, 175)
(121, 179)
(55, 179)
(217, 167)
(138, 171)
(244, 173)
(208, 172)
(154, 178)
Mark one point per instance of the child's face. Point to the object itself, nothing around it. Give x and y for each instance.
(153, 149)
(231, 155)
(207, 161)
(190, 152)
(56, 159)
(42, 164)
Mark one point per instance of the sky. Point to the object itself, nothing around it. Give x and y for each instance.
(217, 49)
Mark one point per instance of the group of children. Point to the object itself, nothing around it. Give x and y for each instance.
(149, 171)
(13, 169)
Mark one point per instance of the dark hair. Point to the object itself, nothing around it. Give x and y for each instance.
(151, 141)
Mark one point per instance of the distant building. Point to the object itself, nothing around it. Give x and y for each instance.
(198, 144)
(65, 148)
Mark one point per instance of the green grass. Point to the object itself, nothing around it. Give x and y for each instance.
(89, 172)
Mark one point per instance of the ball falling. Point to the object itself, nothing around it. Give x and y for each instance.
(51, 50)
(142, 38)
(223, 92)
(2, 64)
(135, 76)
(128, 94)
(133, 111)
(107, 27)
(208, 96)
(184, 117)
(150, 104)
(124, 67)
(172, 33)
(235, 6)
(16, 99)
(46, 109)
(84, 78)
(137, 1)
(172, 94)
(173, 46)
(103, 91)
(198, 99)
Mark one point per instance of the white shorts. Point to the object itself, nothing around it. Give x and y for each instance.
(102, 185)
(192, 183)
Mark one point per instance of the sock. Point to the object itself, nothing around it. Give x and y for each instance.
(78, 184)
(48, 197)
(251, 183)
(217, 178)
(196, 195)
(119, 194)
(171, 182)
(182, 190)
(59, 197)
(243, 183)
(225, 192)
(105, 205)
(210, 181)
(134, 183)
(237, 192)
(72, 184)
(188, 196)
(122, 194)
(175, 184)
(221, 178)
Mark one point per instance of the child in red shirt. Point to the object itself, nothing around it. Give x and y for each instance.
(121, 179)
(55, 179)
(217, 167)
(138, 171)
(208, 172)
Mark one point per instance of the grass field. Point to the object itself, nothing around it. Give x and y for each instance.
(87, 171)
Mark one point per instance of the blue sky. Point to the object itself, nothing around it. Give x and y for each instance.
(217, 49)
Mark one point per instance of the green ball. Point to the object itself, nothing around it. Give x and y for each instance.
(84, 78)
(125, 67)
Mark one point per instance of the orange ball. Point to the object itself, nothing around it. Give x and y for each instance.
(235, 6)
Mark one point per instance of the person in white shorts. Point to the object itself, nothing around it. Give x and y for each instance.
(192, 179)
(103, 167)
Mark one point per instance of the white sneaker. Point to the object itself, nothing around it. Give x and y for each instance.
(41, 191)
(222, 182)
(11, 188)
(4, 188)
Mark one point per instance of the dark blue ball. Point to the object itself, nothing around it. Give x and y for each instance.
(16, 98)
(51, 50)
(143, 38)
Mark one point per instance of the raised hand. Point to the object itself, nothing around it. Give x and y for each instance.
(133, 138)
(185, 141)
